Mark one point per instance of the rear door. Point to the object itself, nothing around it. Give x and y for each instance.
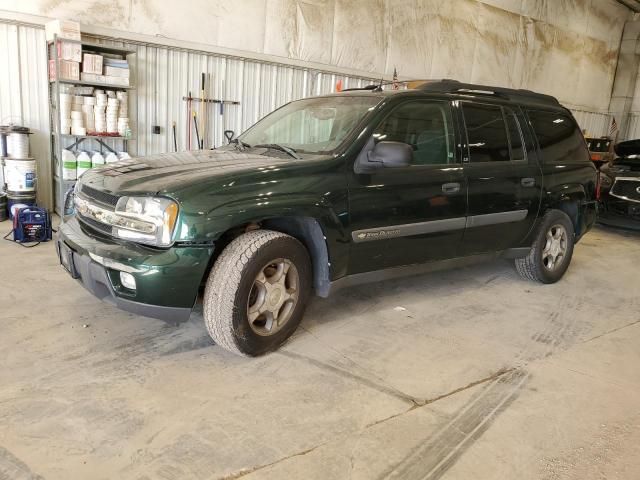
(408, 215)
(504, 182)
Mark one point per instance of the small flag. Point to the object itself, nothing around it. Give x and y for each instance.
(395, 79)
(339, 85)
(614, 127)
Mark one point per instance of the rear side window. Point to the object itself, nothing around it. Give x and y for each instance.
(559, 137)
(486, 133)
(426, 126)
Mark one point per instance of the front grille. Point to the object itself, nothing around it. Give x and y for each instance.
(629, 189)
(94, 224)
(99, 196)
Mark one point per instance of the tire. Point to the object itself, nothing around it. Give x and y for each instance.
(537, 264)
(242, 284)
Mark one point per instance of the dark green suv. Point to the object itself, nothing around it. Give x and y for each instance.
(331, 191)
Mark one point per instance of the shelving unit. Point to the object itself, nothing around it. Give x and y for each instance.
(60, 141)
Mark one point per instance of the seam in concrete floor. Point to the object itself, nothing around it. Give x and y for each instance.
(415, 406)
(613, 330)
(447, 461)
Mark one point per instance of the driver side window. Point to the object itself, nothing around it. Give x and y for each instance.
(426, 126)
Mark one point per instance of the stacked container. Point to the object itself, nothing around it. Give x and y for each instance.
(66, 99)
(99, 111)
(113, 106)
(18, 168)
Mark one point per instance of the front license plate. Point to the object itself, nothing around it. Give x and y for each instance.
(66, 259)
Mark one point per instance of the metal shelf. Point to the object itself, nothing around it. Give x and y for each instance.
(95, 137)
(93, 84)
(96, 46)
(60, 186)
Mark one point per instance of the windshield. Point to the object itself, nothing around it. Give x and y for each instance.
(312, 125)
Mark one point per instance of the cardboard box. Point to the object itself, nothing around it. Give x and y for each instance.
(63, 29)
(69, 51)
(92, 77)
(116, 72)
(67, 70)
(119, 81)
(92, 63)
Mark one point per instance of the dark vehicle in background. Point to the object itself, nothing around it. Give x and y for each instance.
(620, 187)
(600, 150)
(331, 191)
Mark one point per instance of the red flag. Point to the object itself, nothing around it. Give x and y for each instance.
(339, 86)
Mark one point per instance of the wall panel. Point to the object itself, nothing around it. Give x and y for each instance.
(24, 93)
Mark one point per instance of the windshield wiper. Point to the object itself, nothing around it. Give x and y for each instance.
(276, 146)
(239, 144)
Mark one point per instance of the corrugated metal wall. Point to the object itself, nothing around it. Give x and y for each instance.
(24, 94)
(594, 124)
(633, 126)
(163, 76)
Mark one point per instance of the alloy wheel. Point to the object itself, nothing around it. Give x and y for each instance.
(555, 248)
(273, 297)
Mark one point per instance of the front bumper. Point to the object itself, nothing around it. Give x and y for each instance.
(167, 281)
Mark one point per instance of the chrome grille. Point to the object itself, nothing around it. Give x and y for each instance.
(94, 224)
(626, 189)
(99, 196)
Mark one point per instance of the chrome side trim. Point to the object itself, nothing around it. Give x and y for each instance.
(496, 218)
(395, 231)
(435, 226)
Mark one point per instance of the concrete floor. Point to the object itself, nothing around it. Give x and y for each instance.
(466, 374)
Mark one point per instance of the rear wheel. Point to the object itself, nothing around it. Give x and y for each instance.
(256, 292)
(551, 252)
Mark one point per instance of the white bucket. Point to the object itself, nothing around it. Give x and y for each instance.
(20, 175)
(97, 159)
(18, 145)
(111, 157)
(84, 163)
(69, 165)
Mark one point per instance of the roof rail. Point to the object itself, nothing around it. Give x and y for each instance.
(366, 87)
(454, 86)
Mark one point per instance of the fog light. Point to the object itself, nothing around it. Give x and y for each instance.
(127, 280)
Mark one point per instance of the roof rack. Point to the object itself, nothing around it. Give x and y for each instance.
(366, 87)
(454, 86)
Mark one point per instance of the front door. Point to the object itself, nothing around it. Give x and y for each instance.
(408, 215)
(504, 183)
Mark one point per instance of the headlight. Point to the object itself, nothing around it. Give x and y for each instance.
(605, 181)
(148, 220)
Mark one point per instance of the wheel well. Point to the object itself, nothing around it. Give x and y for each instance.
(572, 209)
(307, 230)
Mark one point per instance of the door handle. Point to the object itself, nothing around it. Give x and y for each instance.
(449, 188)
(528, 182)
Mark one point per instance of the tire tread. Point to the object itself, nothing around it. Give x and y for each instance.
(223, 282)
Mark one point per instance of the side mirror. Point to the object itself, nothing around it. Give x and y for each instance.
(382, 155)
(391, 154)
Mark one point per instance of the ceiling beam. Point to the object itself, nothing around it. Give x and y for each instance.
(633, 5)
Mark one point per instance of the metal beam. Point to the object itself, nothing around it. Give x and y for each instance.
(633, 5)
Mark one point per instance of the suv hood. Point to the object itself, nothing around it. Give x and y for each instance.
(168, 172)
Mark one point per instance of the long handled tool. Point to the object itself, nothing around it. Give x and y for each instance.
(189, 98)
(202, 107)
(195, 123)
(175, 141)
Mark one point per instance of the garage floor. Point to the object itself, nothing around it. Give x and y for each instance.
(465, 374)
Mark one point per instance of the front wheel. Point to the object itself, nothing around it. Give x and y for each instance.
(256, 292)
(551, 252)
